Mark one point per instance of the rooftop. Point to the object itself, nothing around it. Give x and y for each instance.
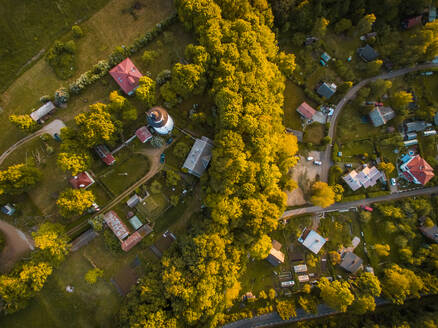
(42, 111)
(312, 240)
(326, 90)
(417, 170)
(126, 75)
(306, 110)
(116, 225)
(81, 180)
(381, 115)
(199, 157)
(351, 262)
(143, 134)
(367, 53)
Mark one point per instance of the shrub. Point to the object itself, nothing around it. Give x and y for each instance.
(2, 241)
(156, 187)
(353, 197)
(61, 96)
(70, 47)
(61, 58)
(163, 77)
(92, 275)
(157, 142)
(44, 99)
(23, 122)
(181, 150)
(149, 56)
(77, 32)
(111, 242)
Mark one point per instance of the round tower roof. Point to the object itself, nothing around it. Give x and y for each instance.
(157, 116)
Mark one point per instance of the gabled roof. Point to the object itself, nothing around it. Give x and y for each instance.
(199, 157)
(430, 232)
(420, 169)
(312, 240)
(351, 262)
(306, 110)
(326, 90)
(381, 115)
(131, 241)
(116, 225)
(105, 154)
(81, 180)
(135, 222)
(126, 75)
(42, 111)
(143, 134)
(367, 53)
(417, 126)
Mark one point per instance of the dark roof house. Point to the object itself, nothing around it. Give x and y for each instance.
(417, 126)
(276, 256)
(381, 115)
(326, 90)
(306, 111)
(126, 75)
(199, 157)
(430, 232)
(367, 53)
(351, 262)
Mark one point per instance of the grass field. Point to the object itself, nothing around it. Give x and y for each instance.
(314, 133)
(88, 306)
(29, 26)
(293, 97)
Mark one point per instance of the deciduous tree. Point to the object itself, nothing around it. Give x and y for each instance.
(336, 294)
(75, 163)
(74, 202)
(52, 239)
(146, 91)
(24, 122)
(322, 194)
(18, 178)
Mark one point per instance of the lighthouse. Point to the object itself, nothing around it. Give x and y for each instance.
(160, 120)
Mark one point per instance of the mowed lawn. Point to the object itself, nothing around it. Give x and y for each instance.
(293, 97)
(88, 306)
(105, 30)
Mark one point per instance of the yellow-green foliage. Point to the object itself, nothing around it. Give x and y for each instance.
(24, 122)
(74, 202)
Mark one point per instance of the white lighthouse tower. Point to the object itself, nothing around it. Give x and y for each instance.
(160, 120)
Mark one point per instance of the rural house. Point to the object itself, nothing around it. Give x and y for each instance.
(276, 256)
(312, 240)
(306, 111)
(104, 154)
(351, 262)
(415, 169)
(381, 115)
(82, 180)
(126, 75)
(326, 90)
(368, 177)
(44, 110)
(367, 53)
(116, 225)
(430, 232)
(199, 157)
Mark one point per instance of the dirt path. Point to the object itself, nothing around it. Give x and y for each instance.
(17, 245)
(53, 127)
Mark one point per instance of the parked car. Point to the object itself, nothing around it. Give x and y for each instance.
(169, 141)
(348, 165)
(310, 158)
(319, 163)
(366, 208)
(289, 283)
(57, 137)
(162, 158)
(393, 182)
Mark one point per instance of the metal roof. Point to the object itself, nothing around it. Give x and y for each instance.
(199, 157)
(42, 111)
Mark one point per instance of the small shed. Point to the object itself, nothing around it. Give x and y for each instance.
(300, 268)
(326, 57)
(367, 53)
(275, 256)
(133, 201)
(351, 262)
(143, 134)
(303, 278)
(104, 154)
(326, 90)
(199, 157)
(135, 222)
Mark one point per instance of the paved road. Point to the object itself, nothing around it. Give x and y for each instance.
(356, 203)
(53, 127)
(17, 244)
(326, 156)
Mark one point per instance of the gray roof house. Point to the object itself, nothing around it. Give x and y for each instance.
(326, 90)
(351, 262)
(199, 157)
(435, 119)
(381, 115)
(430, 232)
(42, 111)
(367, 53)
(417, 126)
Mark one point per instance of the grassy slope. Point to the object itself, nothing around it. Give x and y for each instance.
(29, 26)
(101, 36)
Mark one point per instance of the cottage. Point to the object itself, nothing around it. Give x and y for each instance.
(276, 256)
(143, 134)
(126, 75)
(351, 262)
(116, 225)
(199, 157)
(133, 201)
(368, 177)
(104, 154)
(42, 111)
(300, 268)
(326, 90)
(82, 180)
(312, 240)
(8, 209)
(417, 126)
(303, 278)
(367, 53)
(430, 232)
(381, 115)
(417, 170)
(306, 111)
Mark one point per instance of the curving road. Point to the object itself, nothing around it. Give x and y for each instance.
(326, 156)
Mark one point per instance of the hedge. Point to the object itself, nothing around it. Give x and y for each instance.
(378, 193)
(353, 198)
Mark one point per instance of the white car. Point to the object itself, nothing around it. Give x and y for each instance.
(310, 158)
(319, 163)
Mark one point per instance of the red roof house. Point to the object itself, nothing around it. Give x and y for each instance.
(81, 180)
(105, 155)
(411, 22)
(143, 134)
(417, 170)
(306, 110)
(126, 75)
(116, 225)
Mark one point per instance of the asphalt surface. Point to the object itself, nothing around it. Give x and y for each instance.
(326, 156)
(356, 203)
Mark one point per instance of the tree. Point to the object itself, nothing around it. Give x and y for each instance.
(335, 257)
(92, 275)
(272, 294)
(77, 32)
(365, 24)
(380, 87)
(149, 56)
(400, 100)
(343, 25)
(308, 303)
(157, 142)
(180, 150)
(368, 284)
(95, 126)
(336, 294)
(23, 122)
(187, 79)
(399, 283)
(286, 309)
(373, 67)
(320, 27)
(61, 96)
(322, 194)
(74, 202)
(261, 247)
(387, 167)
(18, 178)
(75, 163)
(382, 250)
(156, 187)
(286, 63)
(172, 178)
(338, 190)
(363, 304)
(263, 295)
(146, 91)
(52, 239)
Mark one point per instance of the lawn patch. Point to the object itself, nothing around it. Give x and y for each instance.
(314, 133)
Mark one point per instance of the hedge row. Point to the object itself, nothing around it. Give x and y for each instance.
(353, 198)
(378, 193)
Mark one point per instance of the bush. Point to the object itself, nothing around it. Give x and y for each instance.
(61, 96)
(163, 77)
(111, 242)
(156, 187)
(77, 32)
(44, 99)
(61, 58)
(2, 241)
(157, 142)
(149, 56)
(353, 198)
(92, 275)
(70, 47)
